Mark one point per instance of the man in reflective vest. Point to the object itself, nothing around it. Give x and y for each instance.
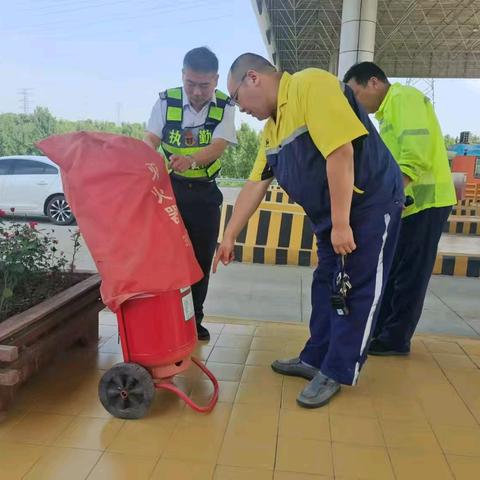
(410, 129)
(194, 124)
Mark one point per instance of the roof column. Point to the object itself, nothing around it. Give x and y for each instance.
(357, 35)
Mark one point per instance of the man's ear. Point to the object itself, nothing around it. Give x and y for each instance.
(254, 77)
(375, 82)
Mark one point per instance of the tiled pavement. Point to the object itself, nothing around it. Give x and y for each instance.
(408, 418)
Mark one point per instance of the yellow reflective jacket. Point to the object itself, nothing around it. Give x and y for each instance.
(410, 129)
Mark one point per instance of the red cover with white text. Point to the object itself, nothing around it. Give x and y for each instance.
(120, 193)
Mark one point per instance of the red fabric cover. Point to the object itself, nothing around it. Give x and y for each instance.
(120, 193)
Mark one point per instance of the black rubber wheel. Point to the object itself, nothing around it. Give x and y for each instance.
(59, 212)
(126, 390)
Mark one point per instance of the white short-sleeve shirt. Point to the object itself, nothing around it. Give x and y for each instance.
(191, 118)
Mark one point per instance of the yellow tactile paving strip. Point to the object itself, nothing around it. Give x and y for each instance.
(409, 418)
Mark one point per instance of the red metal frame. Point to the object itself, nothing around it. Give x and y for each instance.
(173, 388)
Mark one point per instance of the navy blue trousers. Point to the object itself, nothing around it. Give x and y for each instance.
(338, 344)
(412, 268)
(199, 205)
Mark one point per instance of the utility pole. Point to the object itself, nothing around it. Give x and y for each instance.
(25, 95)
(425, 85)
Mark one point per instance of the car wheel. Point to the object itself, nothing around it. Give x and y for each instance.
(59, 212)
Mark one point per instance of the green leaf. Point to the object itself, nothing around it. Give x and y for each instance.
(7, 293)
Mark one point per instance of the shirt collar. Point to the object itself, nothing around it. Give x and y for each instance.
(186, 102)
(381, 109)
(282, 96)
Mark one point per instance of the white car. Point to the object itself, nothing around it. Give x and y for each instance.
(32, 185)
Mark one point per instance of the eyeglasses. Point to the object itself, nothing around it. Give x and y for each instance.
(234, 97)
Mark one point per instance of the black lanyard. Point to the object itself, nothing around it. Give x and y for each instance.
(343, 286)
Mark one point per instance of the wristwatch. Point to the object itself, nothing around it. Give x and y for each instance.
(193, 163)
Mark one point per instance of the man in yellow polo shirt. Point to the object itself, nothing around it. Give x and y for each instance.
(410, 129)
(324, 151)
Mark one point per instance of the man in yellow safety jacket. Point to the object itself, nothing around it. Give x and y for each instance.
(410, 129)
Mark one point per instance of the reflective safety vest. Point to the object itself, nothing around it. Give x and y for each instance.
(410, 129)
(186, 141)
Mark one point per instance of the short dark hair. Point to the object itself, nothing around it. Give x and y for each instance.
(250, 61)
(362, 72)
(202, 60)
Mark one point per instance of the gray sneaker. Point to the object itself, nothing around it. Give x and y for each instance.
(295, 368)
(318, 392)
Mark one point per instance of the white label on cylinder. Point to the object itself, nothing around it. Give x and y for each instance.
(188, 310)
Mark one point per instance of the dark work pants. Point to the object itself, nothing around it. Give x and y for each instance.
(199, 205)
(411, 270)
(338, 344)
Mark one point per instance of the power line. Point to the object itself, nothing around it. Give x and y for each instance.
(76, 7)
(29, 5)
(180, 5)
(39, 7)
(25, 95)
(65, 36)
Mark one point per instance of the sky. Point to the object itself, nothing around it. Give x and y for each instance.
(108, 59)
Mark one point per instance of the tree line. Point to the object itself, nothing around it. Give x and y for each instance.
(20, 132)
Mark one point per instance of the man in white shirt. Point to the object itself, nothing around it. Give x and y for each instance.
(194, 124)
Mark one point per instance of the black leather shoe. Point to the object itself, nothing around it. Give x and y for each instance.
(379, 349)
(203, 333)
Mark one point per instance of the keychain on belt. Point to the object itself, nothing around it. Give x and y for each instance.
(343, 286)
